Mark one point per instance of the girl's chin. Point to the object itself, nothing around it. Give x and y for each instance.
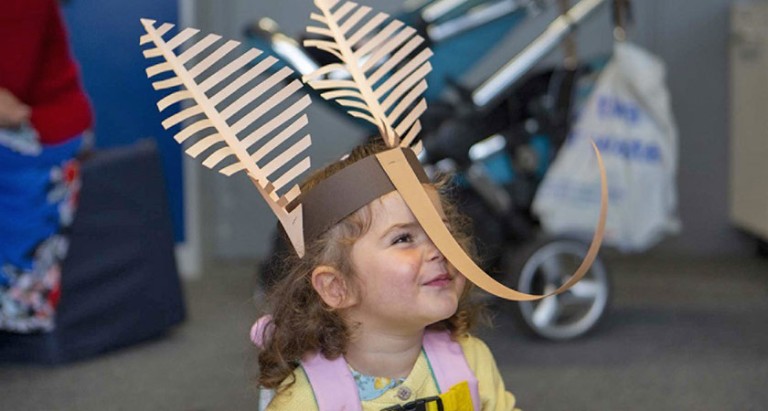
(444, 311)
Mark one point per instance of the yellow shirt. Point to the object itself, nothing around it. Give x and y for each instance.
(493, 395)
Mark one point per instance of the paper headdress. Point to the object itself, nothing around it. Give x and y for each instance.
(384, 80)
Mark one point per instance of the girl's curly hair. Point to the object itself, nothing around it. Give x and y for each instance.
(302, 322)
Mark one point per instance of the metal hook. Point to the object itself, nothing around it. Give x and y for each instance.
(622, 16)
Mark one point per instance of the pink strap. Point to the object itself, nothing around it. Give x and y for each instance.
(332, 383)
(449, 364)
(331, 380)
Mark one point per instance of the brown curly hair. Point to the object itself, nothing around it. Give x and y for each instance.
(302, 322)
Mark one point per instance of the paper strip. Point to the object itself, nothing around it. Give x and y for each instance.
(402, 176)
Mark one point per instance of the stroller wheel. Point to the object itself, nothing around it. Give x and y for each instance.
(541, 268)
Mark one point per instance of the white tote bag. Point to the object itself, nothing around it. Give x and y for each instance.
(629, 117)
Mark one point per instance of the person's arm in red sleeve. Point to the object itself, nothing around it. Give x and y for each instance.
(60, 108)
(13, 113)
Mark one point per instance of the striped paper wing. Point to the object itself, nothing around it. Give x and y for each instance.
(239, 115)
(385, 65)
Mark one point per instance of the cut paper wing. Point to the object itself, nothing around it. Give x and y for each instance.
(243, 121)
(384, 65)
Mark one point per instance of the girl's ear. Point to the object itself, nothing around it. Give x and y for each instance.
(332, 287)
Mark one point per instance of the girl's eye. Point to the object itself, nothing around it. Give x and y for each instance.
(402, 238)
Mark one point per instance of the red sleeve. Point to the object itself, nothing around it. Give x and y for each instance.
(60, 108)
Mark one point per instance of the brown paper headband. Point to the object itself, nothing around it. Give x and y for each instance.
(387, 72)
(347, 190)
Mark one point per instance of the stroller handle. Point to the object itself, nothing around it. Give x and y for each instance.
(284, 46)
(495, 87)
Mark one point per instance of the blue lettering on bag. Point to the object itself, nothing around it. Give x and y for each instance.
(632, 149)
(628, 149)
(614, 107)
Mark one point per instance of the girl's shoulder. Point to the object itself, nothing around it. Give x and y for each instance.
(475, 350)
(493, 393)
(297, 396)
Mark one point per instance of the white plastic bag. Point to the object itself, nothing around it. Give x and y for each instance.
(628, 115)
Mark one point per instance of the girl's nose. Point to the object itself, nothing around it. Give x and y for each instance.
(432, 252)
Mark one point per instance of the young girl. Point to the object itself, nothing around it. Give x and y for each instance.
(366, 292)
(369, 313)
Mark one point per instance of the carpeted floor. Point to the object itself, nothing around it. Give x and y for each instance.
(682, 335)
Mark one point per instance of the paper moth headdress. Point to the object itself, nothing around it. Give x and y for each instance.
(252, 122)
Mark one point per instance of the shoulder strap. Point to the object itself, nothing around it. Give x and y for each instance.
(332, 383)
(449, 364)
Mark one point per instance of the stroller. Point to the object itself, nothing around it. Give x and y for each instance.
(497, 140)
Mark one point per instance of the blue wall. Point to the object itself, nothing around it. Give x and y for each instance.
(105, 40)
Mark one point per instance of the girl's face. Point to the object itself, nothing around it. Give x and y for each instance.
(405, 283)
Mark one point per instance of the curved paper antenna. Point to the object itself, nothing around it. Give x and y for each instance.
(387, 68)
(417, 199)
(221, 129)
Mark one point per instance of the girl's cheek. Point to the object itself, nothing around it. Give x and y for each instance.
(460, 281)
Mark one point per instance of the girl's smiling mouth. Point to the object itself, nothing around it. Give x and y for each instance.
(441, 280)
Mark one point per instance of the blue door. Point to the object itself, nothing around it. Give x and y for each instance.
(105, 40)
